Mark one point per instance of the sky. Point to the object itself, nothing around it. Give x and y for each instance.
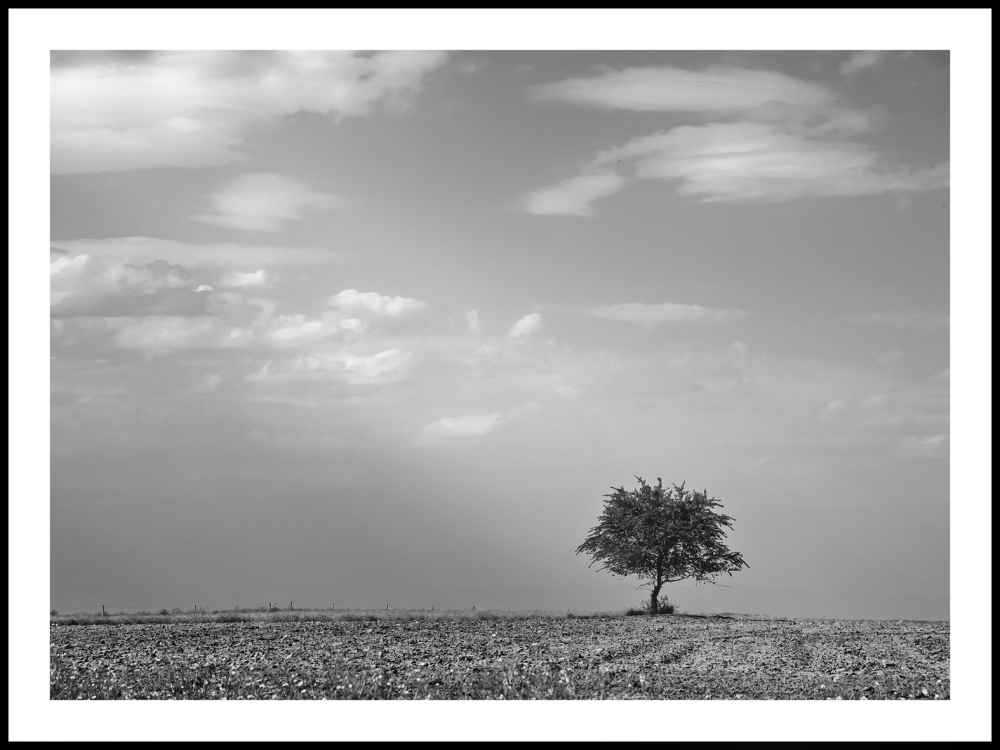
(154, 460)
(383, 328)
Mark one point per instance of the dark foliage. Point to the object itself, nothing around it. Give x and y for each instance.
(662, 536)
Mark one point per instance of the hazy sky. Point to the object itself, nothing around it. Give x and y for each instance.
(374, 329)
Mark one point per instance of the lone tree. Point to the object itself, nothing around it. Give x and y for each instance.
(661, 536)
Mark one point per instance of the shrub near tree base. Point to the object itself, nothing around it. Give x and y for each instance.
(661, 536)
(663, 607)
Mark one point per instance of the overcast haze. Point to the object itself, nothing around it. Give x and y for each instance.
(374, 329)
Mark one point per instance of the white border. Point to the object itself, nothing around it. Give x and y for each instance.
(967, 33)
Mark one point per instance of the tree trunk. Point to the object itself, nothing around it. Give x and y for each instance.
(654, 599)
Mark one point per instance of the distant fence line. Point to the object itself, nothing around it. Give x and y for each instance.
(272, 606)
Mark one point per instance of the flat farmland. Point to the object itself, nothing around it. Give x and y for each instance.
(498, 657)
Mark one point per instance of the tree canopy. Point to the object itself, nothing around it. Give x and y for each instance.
(662, 536)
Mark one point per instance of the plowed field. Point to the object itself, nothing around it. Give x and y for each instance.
(530, 658)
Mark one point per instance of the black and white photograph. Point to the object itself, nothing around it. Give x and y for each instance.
(544, 366)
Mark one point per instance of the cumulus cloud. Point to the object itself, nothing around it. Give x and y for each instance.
(526, 326)
(472, 319)
(859, 61)
(785, 139)
(719, 88)
(377, 368)
(573, 196)
(373, 303)
(468, 426)
(244, 279)
(264, 202)
(194, 108)
(83, 285)
(907, 319)
(650, 315)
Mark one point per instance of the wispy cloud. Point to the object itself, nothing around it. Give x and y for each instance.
(662, 89)
(651, 315)
(467, 426)
(526, 326)
(164, 334)
(475, 325)
(859, 61)
(909, 319)
(328, 365)
(573, 196)
(932, 446)
(264, 202)
(755, 161)
(231, 255)
(832, 406)
(192, 109)
(781, 139)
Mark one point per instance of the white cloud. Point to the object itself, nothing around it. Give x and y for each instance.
(658, 89)
(193, 108)
(470, 425)
(264, 202)
(786, 140)
(833, 406)
(859, 61)
(874, 401)
(526, 326)
(652, 315)
(161, 334)
(331, 365)
(353, 301)
(933, 446)
(573, 196)
(144, 250)
(205, 288)
(758, 161)
(86, 285)
(910, 319)
(378, 368)
(241, 279)
(472, 318)
(297, 330)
